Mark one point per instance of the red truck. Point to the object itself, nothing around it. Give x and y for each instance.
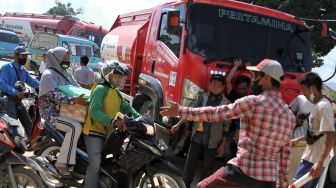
(173, 48)
(26, 25)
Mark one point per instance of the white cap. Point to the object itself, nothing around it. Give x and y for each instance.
(269, 67)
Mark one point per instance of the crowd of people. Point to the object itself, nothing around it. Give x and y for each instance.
(105, 102)
(265, 129)
(251, 127)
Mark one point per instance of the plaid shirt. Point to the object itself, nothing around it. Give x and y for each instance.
(265, 132)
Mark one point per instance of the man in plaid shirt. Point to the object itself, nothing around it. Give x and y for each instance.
(264, 140)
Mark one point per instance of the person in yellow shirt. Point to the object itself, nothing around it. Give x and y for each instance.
(105, 102)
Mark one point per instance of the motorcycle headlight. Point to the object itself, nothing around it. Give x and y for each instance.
(190, 91)
(149, 129)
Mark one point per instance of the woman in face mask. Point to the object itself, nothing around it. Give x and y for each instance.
(50, 97)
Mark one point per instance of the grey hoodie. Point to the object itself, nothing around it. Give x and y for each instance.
(51, 79)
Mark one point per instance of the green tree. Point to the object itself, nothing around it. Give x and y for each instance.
(314, 9)
(64, 10)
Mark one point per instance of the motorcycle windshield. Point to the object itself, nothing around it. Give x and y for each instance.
(220, 33)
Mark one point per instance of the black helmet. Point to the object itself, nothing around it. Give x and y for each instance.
(110, 68)
(114, 67)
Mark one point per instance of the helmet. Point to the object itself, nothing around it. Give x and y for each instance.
(114, 73)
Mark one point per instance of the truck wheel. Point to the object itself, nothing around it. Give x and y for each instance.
(147, 108)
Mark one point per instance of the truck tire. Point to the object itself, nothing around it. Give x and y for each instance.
(147, 108)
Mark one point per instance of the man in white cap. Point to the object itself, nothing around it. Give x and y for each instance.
(266, 125)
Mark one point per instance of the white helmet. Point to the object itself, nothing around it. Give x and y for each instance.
(114, 73)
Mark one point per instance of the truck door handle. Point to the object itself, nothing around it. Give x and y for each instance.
(153, 66)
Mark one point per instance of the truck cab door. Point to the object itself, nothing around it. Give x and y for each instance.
(165, 67)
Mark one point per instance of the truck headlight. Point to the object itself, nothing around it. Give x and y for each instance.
(190, 91)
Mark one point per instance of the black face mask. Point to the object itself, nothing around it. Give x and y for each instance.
(22, 61)
(65, 64)
(256, 88)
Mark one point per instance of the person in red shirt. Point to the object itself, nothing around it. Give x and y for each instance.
(266, 125)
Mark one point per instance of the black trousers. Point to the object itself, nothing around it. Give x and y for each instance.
(234, 174)
(195, 151)
(16, 110)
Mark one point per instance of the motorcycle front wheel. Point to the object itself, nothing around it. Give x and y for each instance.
(24, 178)
(51, 150)
(161, 179)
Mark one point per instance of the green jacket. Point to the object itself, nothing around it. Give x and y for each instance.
(105, 103)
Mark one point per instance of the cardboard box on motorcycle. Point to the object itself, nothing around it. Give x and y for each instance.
(74, 111)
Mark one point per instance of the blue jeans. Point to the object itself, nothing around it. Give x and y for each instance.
(303, 169)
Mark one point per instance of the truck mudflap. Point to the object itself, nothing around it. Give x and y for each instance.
(163, 165)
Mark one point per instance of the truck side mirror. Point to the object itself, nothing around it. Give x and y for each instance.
(173, 21)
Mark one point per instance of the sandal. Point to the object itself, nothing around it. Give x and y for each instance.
(63, 169)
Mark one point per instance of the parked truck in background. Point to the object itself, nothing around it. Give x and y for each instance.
(172, 49)
(27, 24)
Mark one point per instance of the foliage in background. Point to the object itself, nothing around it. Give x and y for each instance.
(64, 10)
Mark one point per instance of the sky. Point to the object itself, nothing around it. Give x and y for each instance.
(100, 12)
(328, 68)
(104, 12)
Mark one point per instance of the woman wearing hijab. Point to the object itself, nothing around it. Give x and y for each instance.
(50, 97)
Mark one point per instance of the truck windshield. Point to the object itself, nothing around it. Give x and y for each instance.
(44, 42)
(10, 38)
(220, 33)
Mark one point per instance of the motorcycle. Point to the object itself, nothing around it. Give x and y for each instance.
(129, 159)
(39, 136)
(16, 170)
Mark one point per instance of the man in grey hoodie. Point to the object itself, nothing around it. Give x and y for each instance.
(50, 97)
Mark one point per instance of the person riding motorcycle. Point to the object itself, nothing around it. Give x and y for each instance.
(105, 102)
(51, 97)
(10, 74)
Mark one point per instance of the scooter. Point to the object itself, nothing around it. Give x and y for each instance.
(16, 170)
(129, 159)
(39, 136)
